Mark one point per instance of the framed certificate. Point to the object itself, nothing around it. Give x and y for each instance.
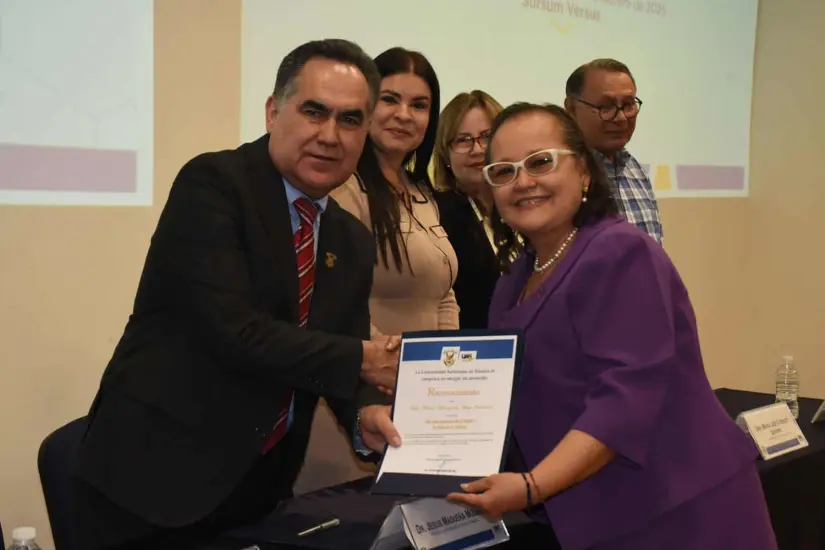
(453, 402)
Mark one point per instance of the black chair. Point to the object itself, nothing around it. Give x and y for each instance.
(55, 461)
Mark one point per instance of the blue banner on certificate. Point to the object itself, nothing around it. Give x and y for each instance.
(452, 406)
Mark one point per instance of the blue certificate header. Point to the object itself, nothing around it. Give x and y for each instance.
(484, 349)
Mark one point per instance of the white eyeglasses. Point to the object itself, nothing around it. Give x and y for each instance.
(537, 164)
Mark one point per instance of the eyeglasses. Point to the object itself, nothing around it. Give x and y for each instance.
(537, 164)
(465, 143)
(610, 112)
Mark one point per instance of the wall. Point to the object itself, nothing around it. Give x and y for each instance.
(784, 271)
(69, 274)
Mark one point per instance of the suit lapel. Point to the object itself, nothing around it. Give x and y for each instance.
(534, 303)
(329, 271)
(268, 186)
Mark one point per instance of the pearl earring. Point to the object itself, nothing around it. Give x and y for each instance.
(584, 195)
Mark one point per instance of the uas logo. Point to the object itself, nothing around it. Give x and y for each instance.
(449, 355)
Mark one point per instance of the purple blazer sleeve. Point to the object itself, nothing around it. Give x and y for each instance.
(621, 309)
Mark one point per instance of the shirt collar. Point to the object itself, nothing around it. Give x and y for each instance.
(619, 158)
(292, 194)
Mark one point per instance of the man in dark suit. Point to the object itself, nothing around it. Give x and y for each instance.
(253, 303)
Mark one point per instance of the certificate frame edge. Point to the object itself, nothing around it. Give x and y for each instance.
(517, 372)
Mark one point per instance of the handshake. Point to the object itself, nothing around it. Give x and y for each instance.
(379, 366)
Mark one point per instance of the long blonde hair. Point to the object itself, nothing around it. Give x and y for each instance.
(448, 123)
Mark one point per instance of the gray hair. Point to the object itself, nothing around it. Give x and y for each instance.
(335, 49)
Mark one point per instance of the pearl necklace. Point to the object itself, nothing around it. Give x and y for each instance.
(539, 268)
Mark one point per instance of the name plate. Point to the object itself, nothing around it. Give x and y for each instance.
(774, 430)
(433, 523)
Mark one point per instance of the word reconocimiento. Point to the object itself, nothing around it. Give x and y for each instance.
(431, 392)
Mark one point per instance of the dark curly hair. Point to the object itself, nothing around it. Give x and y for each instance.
(600, 202)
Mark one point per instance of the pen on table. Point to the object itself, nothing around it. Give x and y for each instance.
(320, 527)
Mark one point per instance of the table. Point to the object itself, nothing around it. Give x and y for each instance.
(794, 483)
(794, 487)
(361, 517)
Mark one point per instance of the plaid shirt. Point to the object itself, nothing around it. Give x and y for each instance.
(633, 192)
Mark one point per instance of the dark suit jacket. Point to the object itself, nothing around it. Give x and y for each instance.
(193, 387)
(478, 268)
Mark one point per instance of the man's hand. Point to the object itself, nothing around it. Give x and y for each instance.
(377, 428)
(380, 364)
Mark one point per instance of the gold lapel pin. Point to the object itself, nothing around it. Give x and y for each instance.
(331, 259)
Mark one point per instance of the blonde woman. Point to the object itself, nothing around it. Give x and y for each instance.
(465, 200)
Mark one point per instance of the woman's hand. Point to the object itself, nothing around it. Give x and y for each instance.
(495, 495)
(393, 343)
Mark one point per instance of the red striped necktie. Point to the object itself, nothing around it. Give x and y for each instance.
(304, 240)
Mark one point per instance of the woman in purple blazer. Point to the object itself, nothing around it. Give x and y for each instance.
(623, 442)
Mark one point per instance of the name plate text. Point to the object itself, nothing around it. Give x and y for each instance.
(774, 430)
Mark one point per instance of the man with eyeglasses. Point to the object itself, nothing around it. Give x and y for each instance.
(601, 96)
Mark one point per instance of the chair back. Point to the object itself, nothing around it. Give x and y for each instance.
(55, 461)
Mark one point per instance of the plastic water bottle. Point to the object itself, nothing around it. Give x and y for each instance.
(787, 385)
(22, 538)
